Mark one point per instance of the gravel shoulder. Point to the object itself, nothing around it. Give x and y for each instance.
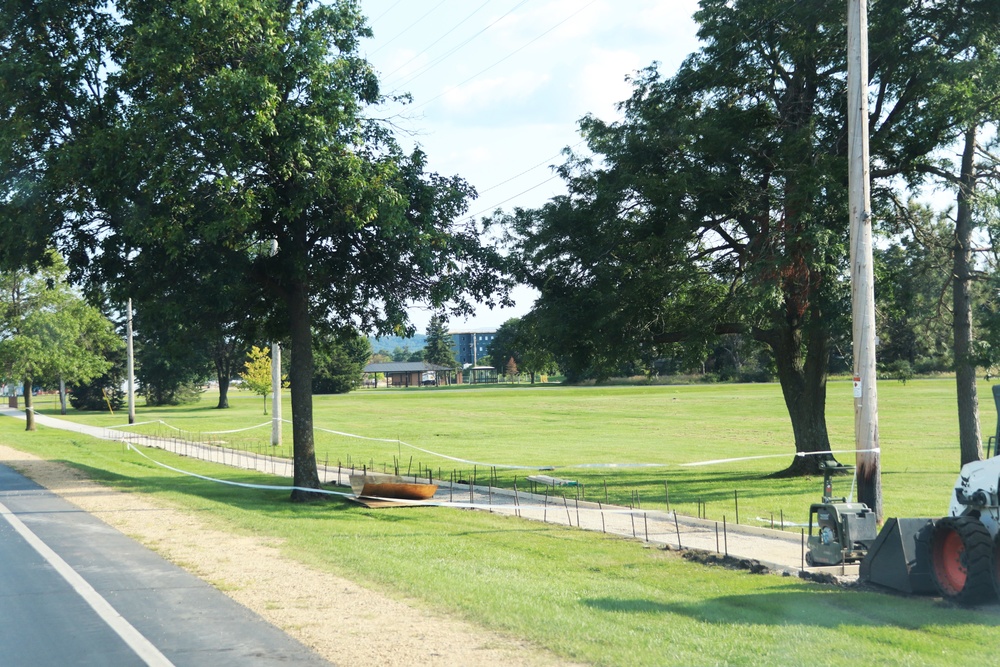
(342, 621)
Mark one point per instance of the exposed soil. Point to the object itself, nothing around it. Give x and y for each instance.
(342, 621)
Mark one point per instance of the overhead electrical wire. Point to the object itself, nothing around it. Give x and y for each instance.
(512, 197)
(436, 41)
(762, 26)
(408, 28)
(530, 169)
(447, 54)
(508, 56)
(391, 7)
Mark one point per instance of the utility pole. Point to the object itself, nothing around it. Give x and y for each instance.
(131, 366)
(275, 379)
(275, 394)
(862, 271)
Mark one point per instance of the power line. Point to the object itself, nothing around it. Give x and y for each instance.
(392, 7)
(408, 28)
(749, 35)
(437, 61)
(760, 28)
(436, 41)
(530, 169)
(523, 192)
(509, 55)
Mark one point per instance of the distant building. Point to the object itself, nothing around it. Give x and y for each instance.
(472, 345)
(410, 374)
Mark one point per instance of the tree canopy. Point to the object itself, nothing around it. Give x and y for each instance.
(186, 128)
(340, 363)
(519, 339)
(48, 333)
(718, 204)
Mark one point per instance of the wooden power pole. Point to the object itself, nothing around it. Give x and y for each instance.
(862, 272)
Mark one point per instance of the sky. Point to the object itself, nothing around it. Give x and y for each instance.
(498, 88)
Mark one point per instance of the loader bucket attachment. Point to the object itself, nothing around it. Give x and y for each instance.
(900, 557)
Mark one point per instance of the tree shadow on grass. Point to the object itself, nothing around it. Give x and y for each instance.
(809, 606)
(275, 504)
(276, 500)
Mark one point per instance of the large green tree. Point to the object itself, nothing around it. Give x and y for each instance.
(238, 124)
(911, 292)
(962, 111)
(719, 203)
(48, 333)
(340, 363)
(519, 339)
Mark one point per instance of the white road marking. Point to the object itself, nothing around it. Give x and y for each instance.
(132, 637)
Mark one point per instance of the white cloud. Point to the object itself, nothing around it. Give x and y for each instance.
(601, 82)
(526, 87)
(486, 93)
(560, 21)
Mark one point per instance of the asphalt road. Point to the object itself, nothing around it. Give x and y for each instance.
(74, 591)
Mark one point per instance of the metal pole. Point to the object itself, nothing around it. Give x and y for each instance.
(275, 379)
(131, 367)
(275, 394)
(862, 272)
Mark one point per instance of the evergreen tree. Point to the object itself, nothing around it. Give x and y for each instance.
(438, 349)
(340, 364)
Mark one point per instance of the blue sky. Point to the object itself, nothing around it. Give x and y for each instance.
(499, 85)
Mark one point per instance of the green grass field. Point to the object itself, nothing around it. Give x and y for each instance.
(568, 426)
(589, 597)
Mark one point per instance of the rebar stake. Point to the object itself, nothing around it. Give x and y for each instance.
(725, 535)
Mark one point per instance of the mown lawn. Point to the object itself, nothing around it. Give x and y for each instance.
(586, 596)
(567, 427)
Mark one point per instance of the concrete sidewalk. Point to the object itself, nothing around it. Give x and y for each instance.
(781, 551)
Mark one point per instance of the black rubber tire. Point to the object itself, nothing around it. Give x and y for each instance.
(962, 560)
(995, 565)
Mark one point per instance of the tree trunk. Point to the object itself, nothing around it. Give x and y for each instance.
(223, 371)
(223, 391)
(62, 396)
(29, 410)
(803, 386)
(970, 439)
(300, 373)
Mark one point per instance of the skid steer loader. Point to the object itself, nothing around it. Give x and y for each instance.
(957, 556)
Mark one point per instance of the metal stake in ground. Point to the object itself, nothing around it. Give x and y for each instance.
(725, 535)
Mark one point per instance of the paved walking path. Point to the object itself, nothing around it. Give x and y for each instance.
(778, 550)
